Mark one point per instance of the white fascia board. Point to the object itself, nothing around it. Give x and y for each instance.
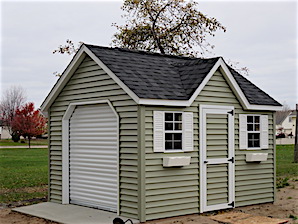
(204, 82)
(158, 102)
(112, 75)
(71, 68)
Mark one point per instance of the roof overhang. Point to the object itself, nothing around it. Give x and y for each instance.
(220, 64)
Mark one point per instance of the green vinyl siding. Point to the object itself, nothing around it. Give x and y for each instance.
(90, 83)
(175, 191)
(169, 191)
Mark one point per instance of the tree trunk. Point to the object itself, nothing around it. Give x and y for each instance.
(296, 137)
(29, 140)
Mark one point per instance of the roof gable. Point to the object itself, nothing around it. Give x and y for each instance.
(155, 79)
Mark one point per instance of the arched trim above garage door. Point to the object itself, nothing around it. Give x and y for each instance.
(65, 146)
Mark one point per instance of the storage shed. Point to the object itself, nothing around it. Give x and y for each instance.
(150, 136)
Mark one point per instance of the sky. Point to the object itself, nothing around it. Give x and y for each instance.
(261, 35)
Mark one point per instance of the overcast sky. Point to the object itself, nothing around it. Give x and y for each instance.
(260, 35)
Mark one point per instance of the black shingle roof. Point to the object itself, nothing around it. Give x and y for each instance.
(157, 76)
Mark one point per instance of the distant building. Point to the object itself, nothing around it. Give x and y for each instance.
(4, 133)
(287, 125)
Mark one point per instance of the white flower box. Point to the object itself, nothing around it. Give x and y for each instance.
(256, 157)
(176, 161)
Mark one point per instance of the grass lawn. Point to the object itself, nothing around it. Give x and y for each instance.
(23, 174)
(9, 142)
(286, 168)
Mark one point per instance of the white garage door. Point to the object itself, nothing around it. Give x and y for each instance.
(93, 176)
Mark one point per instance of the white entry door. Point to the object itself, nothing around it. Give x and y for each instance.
(93, 157)
(217, 163)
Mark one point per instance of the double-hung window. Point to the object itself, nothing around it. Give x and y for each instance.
(173, 131)
(253, 131)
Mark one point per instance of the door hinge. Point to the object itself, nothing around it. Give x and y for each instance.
(231, 112)
(232, 160)
(232, 204)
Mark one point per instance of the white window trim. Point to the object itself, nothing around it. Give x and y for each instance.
(65, 148)
(174, 131)
(261, 130)
(257, 132)
(163, 150)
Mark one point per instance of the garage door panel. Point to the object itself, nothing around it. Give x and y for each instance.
(83, 143)
(93, 157)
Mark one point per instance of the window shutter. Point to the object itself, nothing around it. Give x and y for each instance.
(264, 131)
(158, 124)
(242, 131)
(187, 127)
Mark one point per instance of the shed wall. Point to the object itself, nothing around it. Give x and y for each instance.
(90, 83)
(175, 191)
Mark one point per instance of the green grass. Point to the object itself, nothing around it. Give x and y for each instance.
(9, 142)
(23, 172)
(286, 168)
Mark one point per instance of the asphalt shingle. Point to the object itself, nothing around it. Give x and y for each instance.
(157, 76)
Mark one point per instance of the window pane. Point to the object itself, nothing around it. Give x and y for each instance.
(169, 116)
(178, 116)
(178, 126)
(250, 127)
(257, 127)
(169, 136)
(250, 119)
(168, 145)
(178, 136)
(178, 145)
(250, 144)
(257, 143)
(168, 126)
(253, 140)
(257, 119)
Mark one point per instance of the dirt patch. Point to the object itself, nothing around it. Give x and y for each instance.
(8, 217)
(285, 206)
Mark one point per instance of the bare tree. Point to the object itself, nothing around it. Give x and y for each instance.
(11, 100)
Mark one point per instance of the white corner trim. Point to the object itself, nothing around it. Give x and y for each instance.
(65, 148)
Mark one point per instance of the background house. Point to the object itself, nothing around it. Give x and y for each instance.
(287, 125)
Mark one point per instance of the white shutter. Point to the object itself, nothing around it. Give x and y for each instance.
(264, 131)
(187, 127)
(158, 125)
(242, 131)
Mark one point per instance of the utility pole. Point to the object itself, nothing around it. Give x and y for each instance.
(296, 137)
